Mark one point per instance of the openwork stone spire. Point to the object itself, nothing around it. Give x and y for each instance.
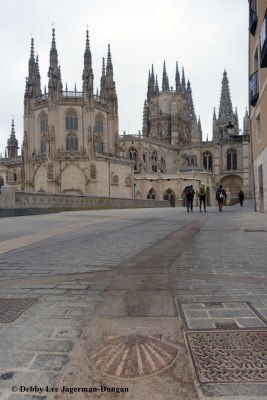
(33, 81)
(190, 103)
(12, 142)
(88, 76)
(54, 73)
(226, 109)
(165, 79)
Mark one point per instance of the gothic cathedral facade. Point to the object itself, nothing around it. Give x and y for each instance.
(171, 153)
(72, 145)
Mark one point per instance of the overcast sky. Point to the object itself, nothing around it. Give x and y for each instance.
(205, 37)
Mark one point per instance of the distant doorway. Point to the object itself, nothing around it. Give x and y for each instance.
(169, 195)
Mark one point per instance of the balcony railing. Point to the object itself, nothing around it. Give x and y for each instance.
(263, 42)
(253, 16)
(254, 88)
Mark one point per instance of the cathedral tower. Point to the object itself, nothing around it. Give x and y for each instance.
(169, 115)
(225, 115)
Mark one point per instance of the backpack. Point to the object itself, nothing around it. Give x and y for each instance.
(202, 192)
(188, 191)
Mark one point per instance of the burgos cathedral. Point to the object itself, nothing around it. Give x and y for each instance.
(72, 145)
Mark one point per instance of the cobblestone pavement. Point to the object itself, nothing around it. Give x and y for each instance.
(134, 299)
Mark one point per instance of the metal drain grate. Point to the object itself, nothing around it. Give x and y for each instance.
(229, 357)
(10, 309)
(225, 315)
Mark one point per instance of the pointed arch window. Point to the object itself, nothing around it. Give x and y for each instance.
(43, 146)
(71, 121)
(99, 124)
(72, 142)
(151, 195)
(44, 123)
(99, 146)
(154, 161)
(133, 156)
(231, 158)
(207, 161)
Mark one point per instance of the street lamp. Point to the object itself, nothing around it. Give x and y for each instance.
(229, 129)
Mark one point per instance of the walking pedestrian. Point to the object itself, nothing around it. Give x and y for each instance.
(189, 194)
(220, 196)
(202, 198)
(241, 198)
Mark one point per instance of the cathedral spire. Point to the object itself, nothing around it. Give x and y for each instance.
(165, 79)
(109, 67)
(190, 103)
(103, 79)
(110, 87)
(54, 74)
(151, 86)
(226, 109)
(33, 81)
(38, 78)
(12, 142)
(183, 81)
(88, 76)
(177, 78)
(156, 85)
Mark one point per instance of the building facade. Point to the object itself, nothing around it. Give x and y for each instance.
(171, 152)
(258, 98)
(71, 143)
(70, 140)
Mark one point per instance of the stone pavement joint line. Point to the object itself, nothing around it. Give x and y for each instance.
(13, 244)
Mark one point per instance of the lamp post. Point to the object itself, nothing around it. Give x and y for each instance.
(229, 129)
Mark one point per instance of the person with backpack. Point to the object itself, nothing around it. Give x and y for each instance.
(220, 196)
(202, 198)
(189, 194)
(241, 197)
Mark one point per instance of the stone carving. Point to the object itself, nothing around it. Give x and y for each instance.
(132, 356)
(114, 179)
(50, 172)
(92, 171)
(128, 181)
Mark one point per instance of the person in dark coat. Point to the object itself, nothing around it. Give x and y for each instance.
(241, 197)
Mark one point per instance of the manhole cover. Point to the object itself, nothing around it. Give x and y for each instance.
(236, 357)
(132, 356)
(10, 309)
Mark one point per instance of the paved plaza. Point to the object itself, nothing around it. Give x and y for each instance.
(139, 304)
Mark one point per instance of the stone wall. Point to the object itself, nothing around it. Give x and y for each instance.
(9, 199)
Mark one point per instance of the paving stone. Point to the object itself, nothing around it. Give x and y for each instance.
(50, 346)
(31, 378)
(15, 359)
(51, 362)
(67, 333)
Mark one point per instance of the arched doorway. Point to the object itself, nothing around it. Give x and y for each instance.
(233, 183)
(170, 196)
